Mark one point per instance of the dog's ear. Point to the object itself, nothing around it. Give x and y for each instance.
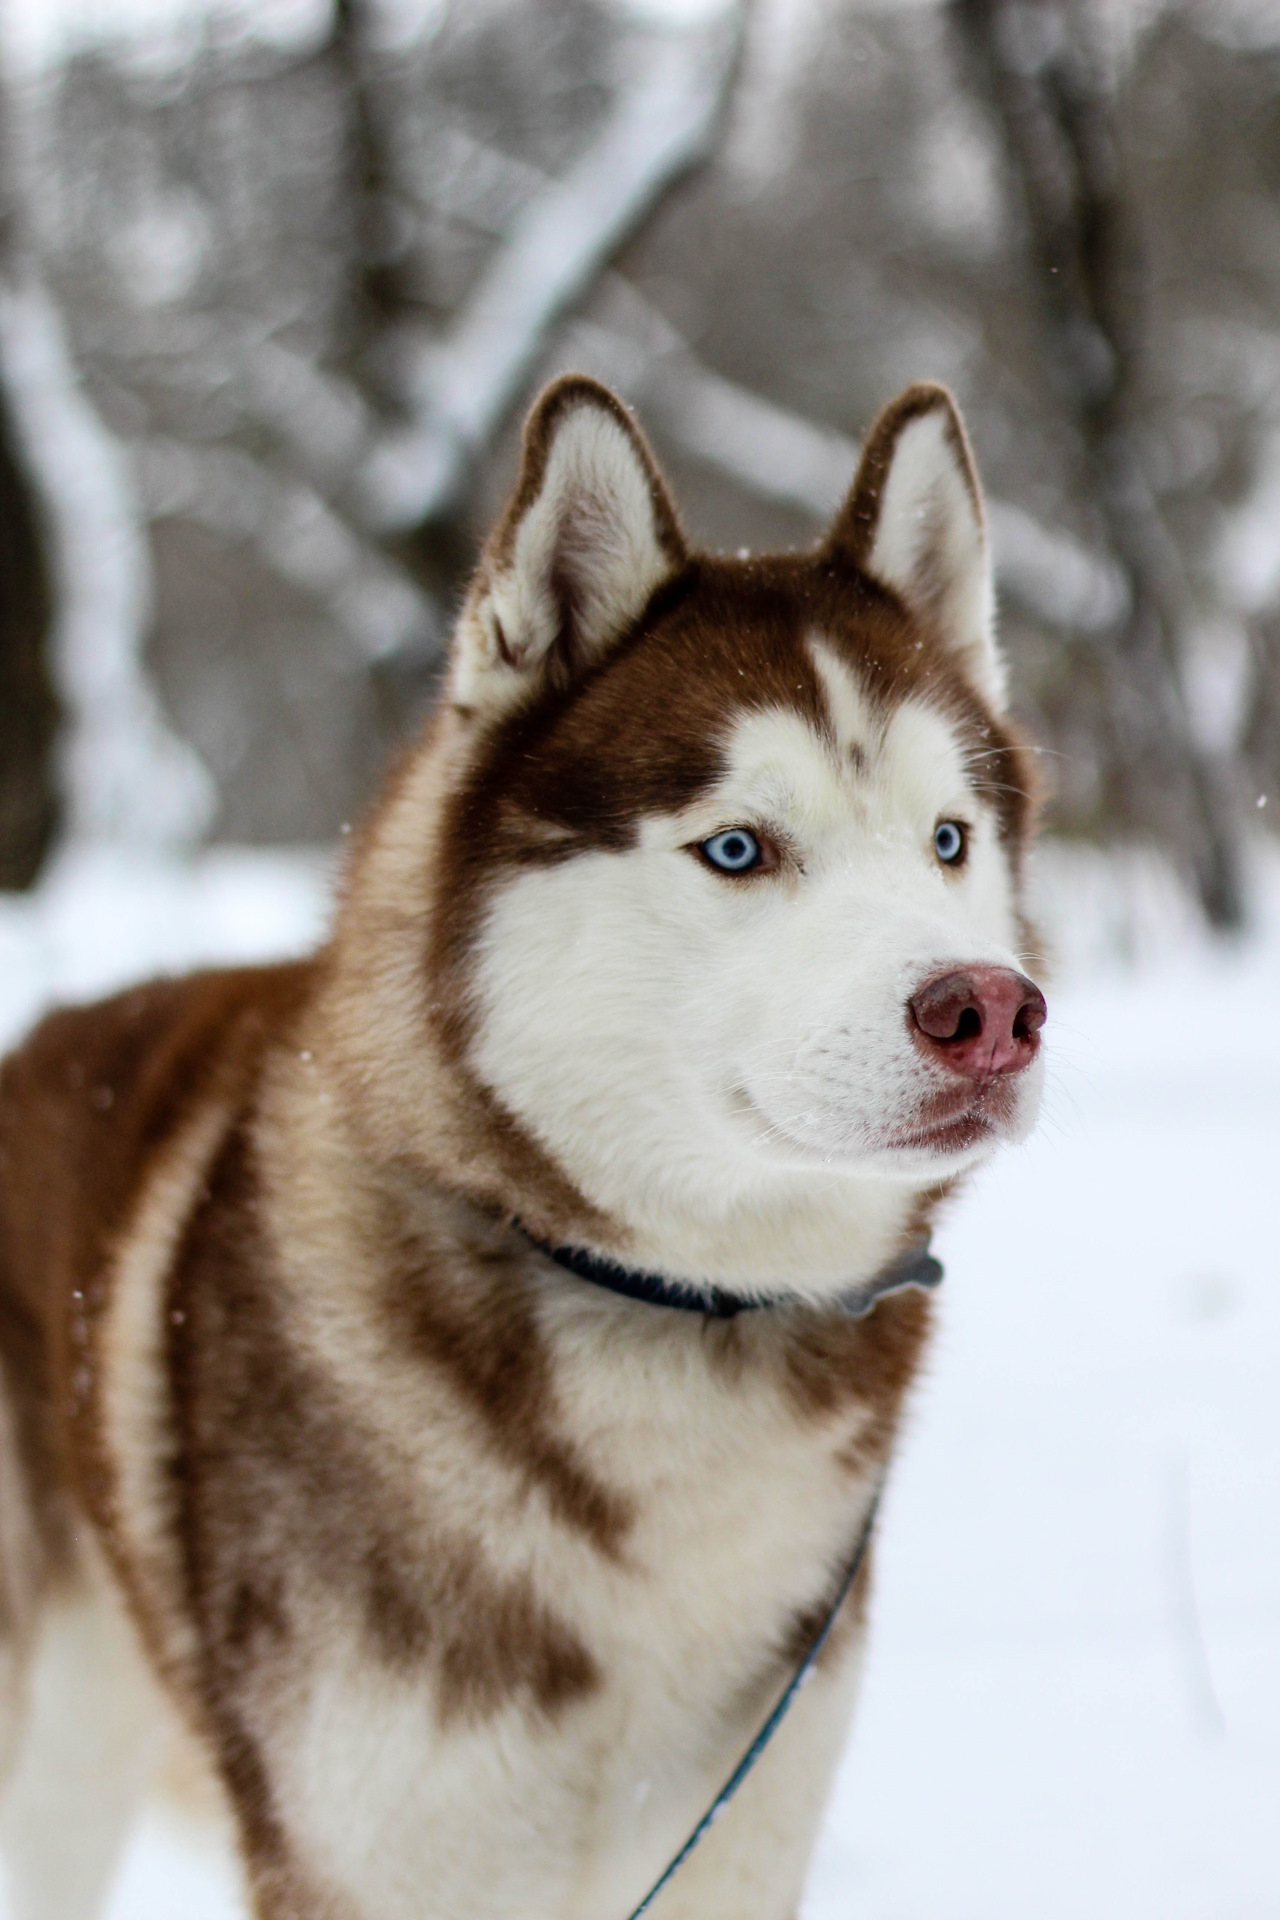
(587, 537)
(913, 519)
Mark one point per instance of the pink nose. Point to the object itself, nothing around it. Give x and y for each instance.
(979, 1021)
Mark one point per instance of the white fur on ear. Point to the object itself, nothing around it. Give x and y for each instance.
(587, 537)
(914, 519)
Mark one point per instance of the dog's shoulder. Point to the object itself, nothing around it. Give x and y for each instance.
(97, 1090)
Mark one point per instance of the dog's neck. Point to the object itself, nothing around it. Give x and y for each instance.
(791, 1236)
(914, 1267)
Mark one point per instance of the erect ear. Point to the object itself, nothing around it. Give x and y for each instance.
(586, 538)
(914, 521)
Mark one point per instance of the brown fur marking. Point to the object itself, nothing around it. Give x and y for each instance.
(832, 1361)
(86, 1104)
(274, 1472)
(487, 1343)
(805, 1626)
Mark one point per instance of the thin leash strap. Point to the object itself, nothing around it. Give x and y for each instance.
(776, 1718)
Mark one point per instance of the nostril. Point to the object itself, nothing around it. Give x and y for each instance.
(969, 1025)
(947, 1010)
(1030, 1016)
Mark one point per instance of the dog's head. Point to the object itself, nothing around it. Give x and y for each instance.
(725, 927)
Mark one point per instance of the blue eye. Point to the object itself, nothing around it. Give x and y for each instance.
(948, 842)
(733, 851)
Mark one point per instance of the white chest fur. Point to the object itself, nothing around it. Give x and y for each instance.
(742, 1512)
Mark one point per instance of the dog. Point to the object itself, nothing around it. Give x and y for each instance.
(444, 1378)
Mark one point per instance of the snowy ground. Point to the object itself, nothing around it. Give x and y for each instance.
(1072, 1709)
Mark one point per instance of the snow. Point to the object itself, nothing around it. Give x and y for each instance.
(105, 916)
(37, 34)
(172, 1871)
(1072, 1703)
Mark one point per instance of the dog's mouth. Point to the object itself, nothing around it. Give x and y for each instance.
(949, 1137)
(946, 1125)
(956, 1122)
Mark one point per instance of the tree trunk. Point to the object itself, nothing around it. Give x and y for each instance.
(28, 706)
(1038, 66)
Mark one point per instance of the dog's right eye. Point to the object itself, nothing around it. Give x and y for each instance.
(734, 851)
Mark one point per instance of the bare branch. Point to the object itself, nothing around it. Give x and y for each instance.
(296, 532)
(780, 455)
(661, 123)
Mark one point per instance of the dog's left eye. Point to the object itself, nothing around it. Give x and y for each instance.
(949, 842)
(733, 851)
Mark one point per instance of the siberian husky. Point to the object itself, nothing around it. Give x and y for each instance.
(685, 951)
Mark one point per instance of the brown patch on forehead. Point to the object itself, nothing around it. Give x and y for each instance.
(896, 657)
(648, 731)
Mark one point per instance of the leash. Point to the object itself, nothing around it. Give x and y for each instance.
(776, 1718)
(915, 1267)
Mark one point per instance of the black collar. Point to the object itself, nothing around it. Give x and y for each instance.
(914, 1268)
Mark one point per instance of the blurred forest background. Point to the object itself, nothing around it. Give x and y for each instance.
(277, 278)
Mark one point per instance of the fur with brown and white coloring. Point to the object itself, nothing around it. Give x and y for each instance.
(469, 1580)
